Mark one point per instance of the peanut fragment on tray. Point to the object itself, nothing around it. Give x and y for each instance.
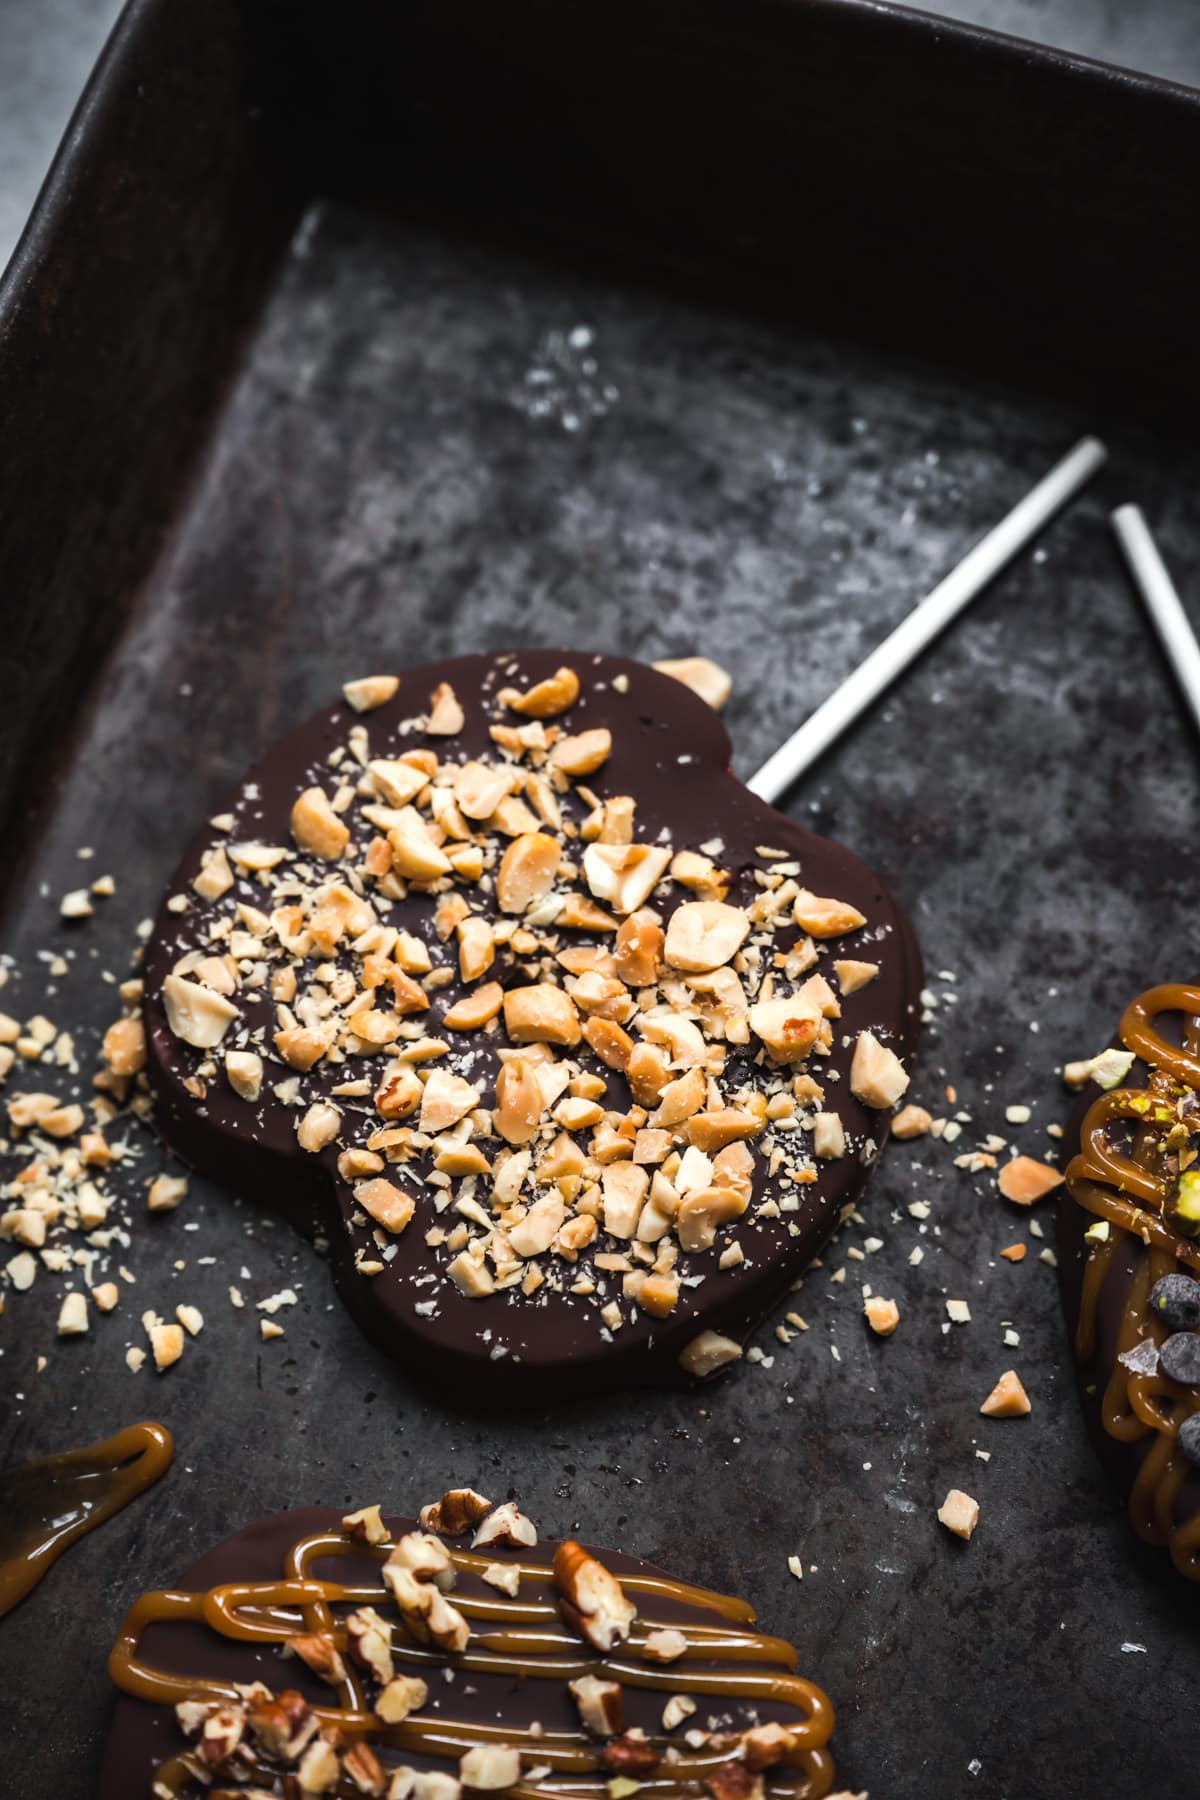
(1008, 1399)
(882, 1315)
(546, 1051)
(959, 1513)
(1024, 1181)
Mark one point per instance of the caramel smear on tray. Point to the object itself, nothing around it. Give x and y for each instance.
(416, 1618)
(46, 1505)
(1133, 1172)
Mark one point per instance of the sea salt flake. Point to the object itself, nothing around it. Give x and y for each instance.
(1142, 1359)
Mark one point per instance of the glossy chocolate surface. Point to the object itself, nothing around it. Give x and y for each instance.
(672, 754)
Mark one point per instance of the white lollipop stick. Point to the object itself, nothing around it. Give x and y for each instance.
(1162, 601)
(980, 566)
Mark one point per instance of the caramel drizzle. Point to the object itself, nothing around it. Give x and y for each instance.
(1134, 1406)
(522, 1637)
(47, 1505)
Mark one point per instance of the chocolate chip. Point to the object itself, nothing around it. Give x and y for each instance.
(1175, 1299)
(1179, 1358)
(1189, 1439)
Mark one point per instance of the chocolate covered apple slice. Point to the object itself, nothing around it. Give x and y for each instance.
(1129, 1256)
(421, 1660)
(570, 1050)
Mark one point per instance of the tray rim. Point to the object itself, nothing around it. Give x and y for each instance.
(55, 193)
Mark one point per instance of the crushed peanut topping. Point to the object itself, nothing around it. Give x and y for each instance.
(577, 1062)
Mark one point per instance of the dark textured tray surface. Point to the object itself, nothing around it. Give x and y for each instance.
(392, 482)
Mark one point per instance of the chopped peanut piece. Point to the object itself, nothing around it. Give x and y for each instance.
(541, 1014)
(882, 1315)
(471, 1276)
(548, 698)
(301, 1048)
(476, 947)
(624, 875)
(853, 975)
(216, 876)
(165, 1192)
(414, 853)
(823, 918)
(387, 1204)
(613, 1046)
(1024, 1181)
(789, 1028)
(316, 828)
(639, 948)
(700, 873)
(518, 1108)
(474, 1010)
(582, 755)
(446, 717)
(708, 1352)
(702, 1213)
(166, 1343)
(1008, 1399)
(195, 1014)
(370, 691)
(877, 1076)
(446, 1100)
(706, 678)
(911, 1122)
(73, 1315)
(625, 1185)
(397, 782)
(527, 871)
(829, 1136)
(318, 1126)
(704, 935)
(124, 1047)
(959, 1513)
(658, 1295)
(244, 1072)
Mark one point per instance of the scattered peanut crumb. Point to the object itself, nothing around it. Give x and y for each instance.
(882, 1315)
(73, 1315)
(1008, 1399)
(76, 905)
(959, 1513)
(1024, 1181)
(911, 1122)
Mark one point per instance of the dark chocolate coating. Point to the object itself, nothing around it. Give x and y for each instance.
(143, 1735)
(672, 753)
(1121, 1460)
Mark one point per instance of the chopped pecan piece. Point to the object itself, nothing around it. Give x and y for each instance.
(456, 1511)
(591, 1599)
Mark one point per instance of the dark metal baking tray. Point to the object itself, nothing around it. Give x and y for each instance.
(349, 339)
